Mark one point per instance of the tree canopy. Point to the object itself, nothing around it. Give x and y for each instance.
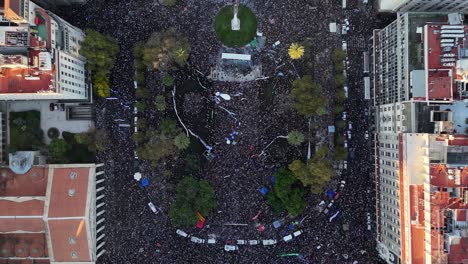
(308, 97)
(191, 196)
(296, 51)
(295, 138)
(95, 139)
(165, 49)
(100, 52)
(287, 194)
(57, 149)
(316, 173)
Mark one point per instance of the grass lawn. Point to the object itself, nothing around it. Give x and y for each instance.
(25, 130)
(77, 153)
(239, 38)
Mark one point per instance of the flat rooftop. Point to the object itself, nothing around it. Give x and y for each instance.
(442, 51)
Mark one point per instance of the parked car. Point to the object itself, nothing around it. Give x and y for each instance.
(344, 116)
(366, 135)
(211, 241)
(51, 106)
(349, 134)
(345, 164)
(62, 107)
(231, 247)
(345, 144)
(350, 125)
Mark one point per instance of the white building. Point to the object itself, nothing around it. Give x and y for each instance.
(51, 66)
(423, 6)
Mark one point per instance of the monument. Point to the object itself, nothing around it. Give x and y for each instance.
(235, 22)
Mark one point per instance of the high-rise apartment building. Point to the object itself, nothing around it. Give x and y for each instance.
(423, 6)
(39, 55)
(419, 84)
(51, 213)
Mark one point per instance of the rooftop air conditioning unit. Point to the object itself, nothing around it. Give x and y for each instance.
(403, 117)
(403, 128)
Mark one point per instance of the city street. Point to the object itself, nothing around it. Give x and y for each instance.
(134, 234)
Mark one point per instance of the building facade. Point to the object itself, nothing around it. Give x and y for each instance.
(418, 88)
(423, 6)
(39, 55)
(52, 214)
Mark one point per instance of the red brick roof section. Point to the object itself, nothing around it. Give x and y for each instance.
(12, 80)
(68, 196)
(32, 183)
(69, 236)
(22, 224)
(23, 245)
(26, 208)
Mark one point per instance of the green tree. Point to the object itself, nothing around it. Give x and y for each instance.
(295, 138)
(168, 126)
(140, 106)
(165, 49)
(339, 79)
(316, 173)
(308, 97)
(100, 52)
(338, 56)
(340, 124)
(341, 153)
(286, 193)
(142, 93)
(168, 80)
(192, 163)
(191, 196)
(95, 139)
(57, 149)
(181, 141)
(141, 123)
(169, 2)
(157, 146)
(139, 137)
(160, 103)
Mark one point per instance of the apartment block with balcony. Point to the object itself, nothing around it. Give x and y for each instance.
(418, 86)
(423, 6)
(39, 55)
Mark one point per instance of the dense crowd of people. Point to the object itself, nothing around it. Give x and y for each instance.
(134, 234)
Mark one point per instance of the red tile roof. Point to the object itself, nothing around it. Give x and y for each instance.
(22, 224)
(67, 235)
(61, 231)
(23, 245)
(61, 203)
(26, 208)
(12, 80)
(32, 183)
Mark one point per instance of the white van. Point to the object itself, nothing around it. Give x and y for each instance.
(181, 233)
(253, 242)
(297, 233)
(269, 242)
(197, 240)
(287, 238)
(231, 247)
